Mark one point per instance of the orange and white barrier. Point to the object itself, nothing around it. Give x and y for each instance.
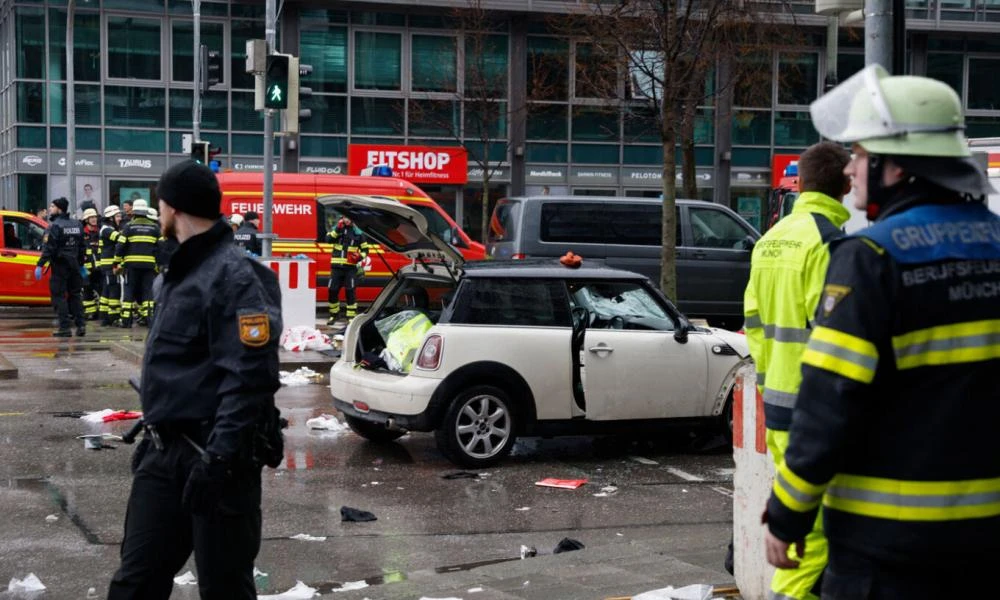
(297, 277)
(751, 487)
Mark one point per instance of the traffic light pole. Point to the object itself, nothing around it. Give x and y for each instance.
(196, 58)
(270, 25)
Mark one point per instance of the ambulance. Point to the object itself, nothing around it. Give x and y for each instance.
(300, 224)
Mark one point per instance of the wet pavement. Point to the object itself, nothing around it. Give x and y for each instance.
(668, 522)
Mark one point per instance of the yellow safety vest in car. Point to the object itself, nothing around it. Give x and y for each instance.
(404, 341)
(786, 280)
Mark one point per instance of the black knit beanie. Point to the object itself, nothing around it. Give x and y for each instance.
(191, 187)
(62, 204)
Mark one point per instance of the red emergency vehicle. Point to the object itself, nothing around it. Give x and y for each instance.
(20, 247)
(301, 224)
(784, 187)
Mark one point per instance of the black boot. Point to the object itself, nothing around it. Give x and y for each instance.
(126, 323)
(81, 331)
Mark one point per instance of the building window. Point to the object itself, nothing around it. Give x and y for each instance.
(30, 46)
(245, 118)
(87, 100)
(976, 127)
(797, 78)
(485, 65)
(208, 9)
(31, 137)
(485, 119)
(642, 155)
(751, 157)
(595, 124)
(436, 118)
(377, 60)
(323, 146)
(376, 116)
(251, 145)
(642, 124)
(752, 128)
(596, 73)
(183, 46)
(326, 51)
(848, 65)
(214, 109)
(434, 63)
(30, 102)
(32, 191)
(984, 73)
(600, 154)
(548, 71)
(87, 138)
(239, 32)
(329, 114)
(948, 68)
(135, 5)
(140, 107)
(548, 122)
(133, 140)
(133, 48)
(546, 153)
(754, 81)
(477, 154)
(794, 129)
(86, 46)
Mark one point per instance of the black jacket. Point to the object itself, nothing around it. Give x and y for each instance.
(137, 243)
(212, 350)
(246, 238)
(63, 244)
(895, 425)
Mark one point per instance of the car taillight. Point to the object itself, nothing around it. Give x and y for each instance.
(519, 256)
(430, 355)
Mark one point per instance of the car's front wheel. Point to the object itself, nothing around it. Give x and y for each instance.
(373, 432)
(478, 427)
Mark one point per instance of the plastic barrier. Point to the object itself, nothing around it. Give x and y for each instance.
(297, 277)
(751, 487)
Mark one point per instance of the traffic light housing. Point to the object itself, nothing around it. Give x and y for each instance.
(211, 69)
(276, 82)
(200, 151)
(296, 92)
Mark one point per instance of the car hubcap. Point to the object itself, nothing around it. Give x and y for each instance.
(483, 426)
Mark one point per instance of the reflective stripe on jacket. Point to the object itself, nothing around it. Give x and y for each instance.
(137, 243)
(786, 278)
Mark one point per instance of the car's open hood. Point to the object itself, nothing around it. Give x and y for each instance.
(394, 225)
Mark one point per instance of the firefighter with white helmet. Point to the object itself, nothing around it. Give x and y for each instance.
(894, 425)
(92, 285)
(111, 290)
(137, 253)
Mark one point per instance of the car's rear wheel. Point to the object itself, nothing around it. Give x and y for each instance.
(373, 432)
(478, 427)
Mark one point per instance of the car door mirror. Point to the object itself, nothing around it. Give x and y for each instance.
(456, 239)
(749, 242)
(681, 332)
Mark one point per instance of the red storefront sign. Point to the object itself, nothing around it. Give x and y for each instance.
(419, 164)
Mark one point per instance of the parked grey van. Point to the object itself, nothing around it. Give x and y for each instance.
(713, 243)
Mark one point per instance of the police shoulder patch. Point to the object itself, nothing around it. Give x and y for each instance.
(255, 329)
(832, 295)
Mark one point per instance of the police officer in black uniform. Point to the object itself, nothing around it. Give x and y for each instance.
(63, 250)
(246, 234)
(209, 376)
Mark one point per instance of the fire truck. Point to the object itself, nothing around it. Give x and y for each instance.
(300, 224)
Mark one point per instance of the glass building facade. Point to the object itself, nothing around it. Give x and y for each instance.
(389, 73)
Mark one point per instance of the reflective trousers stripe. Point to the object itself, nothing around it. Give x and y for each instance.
(776, 398)
(841, 353)
(948, 344)
(914, 500)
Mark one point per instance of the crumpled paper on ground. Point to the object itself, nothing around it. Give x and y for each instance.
(309, 538)
(186, 579)
(31, 583)
(351, 585)
(301, 591)
(698, 591)
(301, 376)
(97, 416)
(301, 337)
(326, 423)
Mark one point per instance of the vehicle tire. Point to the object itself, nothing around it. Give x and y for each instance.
(478, 428)
(373, 432)
(730, 323)
(726, 419)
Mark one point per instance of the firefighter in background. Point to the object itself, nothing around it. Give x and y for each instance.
(346, 265)
(786, 280)
(136, 255)
(111, 289)
(91, 287)
(894, 429)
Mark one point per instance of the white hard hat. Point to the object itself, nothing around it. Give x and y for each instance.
(90, 212)
(140, 206)
(152, 214)
(111, 211)
(236, 220)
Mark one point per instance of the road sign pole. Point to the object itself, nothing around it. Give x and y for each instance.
(269, 34)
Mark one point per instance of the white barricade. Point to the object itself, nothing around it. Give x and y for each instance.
(297, 277)
(751, 487)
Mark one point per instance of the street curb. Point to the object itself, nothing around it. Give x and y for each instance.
(7, 368)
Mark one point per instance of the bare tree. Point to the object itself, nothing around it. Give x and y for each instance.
(667, 50)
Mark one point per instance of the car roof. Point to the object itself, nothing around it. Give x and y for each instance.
(545, 268)
(591, 199)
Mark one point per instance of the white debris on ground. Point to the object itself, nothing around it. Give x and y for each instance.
(606, 491)
(309, 538)
(326, 423)
(186, 579)
(699, 591)
(51, 519)
(31, 583)
(301, 376)
(258, 573)
(97, 416)
(351, 585)
(299, 338)
(300, 591)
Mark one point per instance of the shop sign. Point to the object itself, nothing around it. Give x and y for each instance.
(497, 174)
(593, 176)
(318, 168)
(418, 164)
(134, 164)
(545, 174)
(32, 161)
(251, 164)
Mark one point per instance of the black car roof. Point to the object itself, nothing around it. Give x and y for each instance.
(546, 268)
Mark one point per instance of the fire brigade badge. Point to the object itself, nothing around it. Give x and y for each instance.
(255, 330)
(832, 295)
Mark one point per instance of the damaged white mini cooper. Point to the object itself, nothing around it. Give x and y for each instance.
(481, 353)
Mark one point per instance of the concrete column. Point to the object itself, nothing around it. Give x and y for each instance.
(723, 131)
